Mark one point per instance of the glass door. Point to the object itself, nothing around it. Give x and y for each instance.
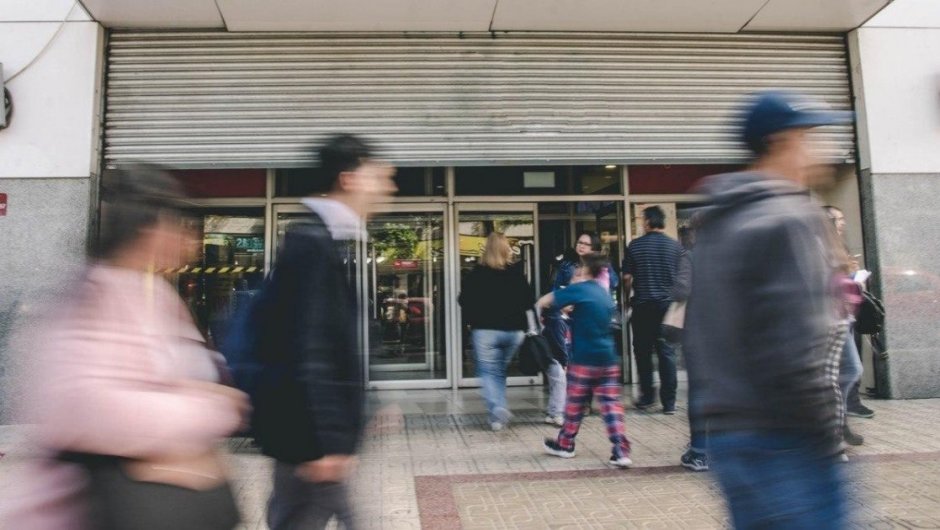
(405, 297)
(474, 223)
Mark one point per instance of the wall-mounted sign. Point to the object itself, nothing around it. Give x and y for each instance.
(406, 264)
(3, 204)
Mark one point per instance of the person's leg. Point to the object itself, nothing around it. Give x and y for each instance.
(850, 367)
(489, 365)
(666, 355)
(508, 345)
(644, 339)
(607, 389)
(579, 393)
(296, 503)
(778, 481)
(556, 389)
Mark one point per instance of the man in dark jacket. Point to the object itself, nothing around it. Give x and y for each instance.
(308, 408)
(759, 325)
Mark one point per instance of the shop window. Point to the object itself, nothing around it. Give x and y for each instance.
(538, 180)
(671, 179)
(228, 267)
(222, 184)
(411, 182)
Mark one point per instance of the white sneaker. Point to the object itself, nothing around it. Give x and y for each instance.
(497, 426)
(557, 421)
(622, 462)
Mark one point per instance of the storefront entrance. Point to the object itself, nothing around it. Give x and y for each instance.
(411, 271)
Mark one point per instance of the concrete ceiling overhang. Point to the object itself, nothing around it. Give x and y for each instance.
(718, 16)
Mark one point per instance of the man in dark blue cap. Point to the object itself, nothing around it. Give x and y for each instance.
(760, 324)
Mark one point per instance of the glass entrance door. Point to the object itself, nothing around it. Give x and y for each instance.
(404, 278)
(474, 223)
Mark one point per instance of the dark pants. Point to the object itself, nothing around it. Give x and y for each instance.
(646, 323)
(778, 480)
(300, 505)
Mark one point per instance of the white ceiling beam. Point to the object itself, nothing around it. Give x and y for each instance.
(814, 15)
(357, 15)
(720, 16)
(171, 14)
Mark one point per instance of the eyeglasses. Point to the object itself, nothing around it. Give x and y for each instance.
(584, 243)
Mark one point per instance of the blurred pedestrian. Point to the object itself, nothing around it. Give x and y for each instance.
(850, 293)
(593, 368)
(557, 325)
(695, 458)
(853, 401)
(309, 403)
(495, 297)
(125, 393)
(649, 267)
(761, 332)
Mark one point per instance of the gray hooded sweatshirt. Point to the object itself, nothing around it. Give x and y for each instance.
(760, 310)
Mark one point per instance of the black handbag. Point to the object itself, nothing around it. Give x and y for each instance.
(118, 502)
(871, 315)
(535, 355)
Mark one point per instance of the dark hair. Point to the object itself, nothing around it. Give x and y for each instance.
(134, 198)
(655, 216)
(595, 240)
(594, 263)
(341, 153)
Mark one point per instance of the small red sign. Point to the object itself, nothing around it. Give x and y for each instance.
(406, 264)
(3, 204)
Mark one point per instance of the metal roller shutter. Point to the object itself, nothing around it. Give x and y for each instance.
(215, 99)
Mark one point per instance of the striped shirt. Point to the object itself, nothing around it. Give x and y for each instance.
(653, 261)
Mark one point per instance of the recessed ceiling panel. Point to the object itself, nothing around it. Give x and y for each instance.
(814, 15)
(155, 13)
(723, 16)
(357, 15)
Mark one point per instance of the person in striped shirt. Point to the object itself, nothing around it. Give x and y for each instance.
(650, 266)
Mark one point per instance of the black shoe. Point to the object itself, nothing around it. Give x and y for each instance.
(694, 460)
(551, 447)
(851, 438)
(643, 404)
(669, 411)
(860, 411)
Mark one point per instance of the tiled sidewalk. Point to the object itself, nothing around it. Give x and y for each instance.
(437, 466)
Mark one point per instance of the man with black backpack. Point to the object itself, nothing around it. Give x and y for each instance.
(308, 400)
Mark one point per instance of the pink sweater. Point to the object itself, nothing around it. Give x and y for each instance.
(110, 378)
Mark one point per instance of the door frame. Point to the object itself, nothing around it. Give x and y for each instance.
(456, 342)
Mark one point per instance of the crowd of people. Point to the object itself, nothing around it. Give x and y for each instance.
(131, 404)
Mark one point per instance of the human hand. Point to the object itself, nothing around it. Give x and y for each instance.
(330, 468)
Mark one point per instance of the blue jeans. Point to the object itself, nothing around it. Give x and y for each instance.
(850, 366)
(778, 480)
(557, 385)
(494, 349)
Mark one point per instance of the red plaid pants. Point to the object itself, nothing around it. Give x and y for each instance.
(584, 382)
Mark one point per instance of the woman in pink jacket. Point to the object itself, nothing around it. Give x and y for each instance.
(126, 399)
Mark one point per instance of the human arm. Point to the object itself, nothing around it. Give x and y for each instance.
(326, 349)
(682, 286)
(627, 268)
(788, 314)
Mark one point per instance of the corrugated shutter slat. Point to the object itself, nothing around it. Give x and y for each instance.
(197, 99)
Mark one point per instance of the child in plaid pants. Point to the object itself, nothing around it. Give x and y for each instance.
(593, 368)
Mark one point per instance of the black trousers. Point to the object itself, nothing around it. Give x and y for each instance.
(646, 323)
(300, 505)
